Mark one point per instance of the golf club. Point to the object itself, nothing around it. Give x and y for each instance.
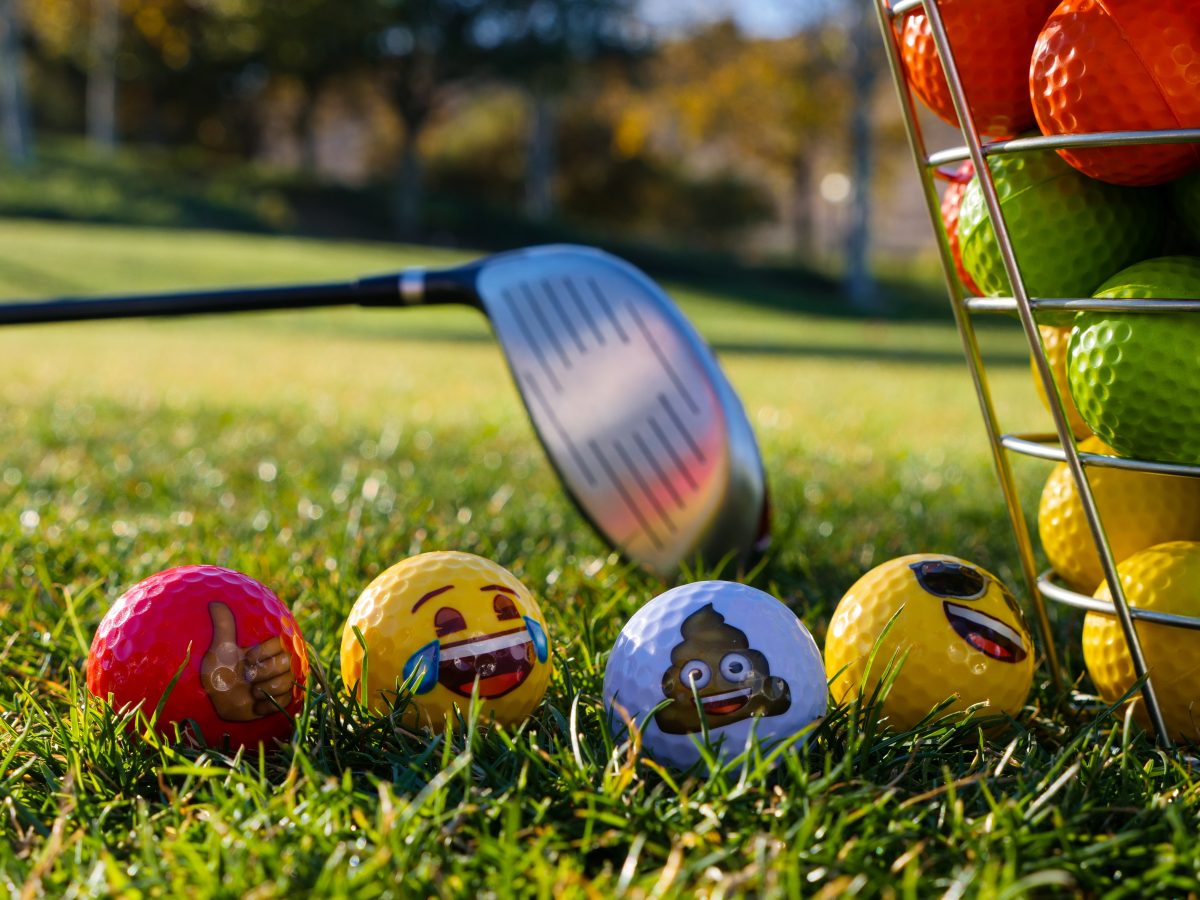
(639, 421)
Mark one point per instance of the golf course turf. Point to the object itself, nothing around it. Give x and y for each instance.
(313, 450)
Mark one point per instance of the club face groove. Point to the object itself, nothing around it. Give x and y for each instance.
(646, 433)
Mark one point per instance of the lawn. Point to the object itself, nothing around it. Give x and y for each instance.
(313, 450)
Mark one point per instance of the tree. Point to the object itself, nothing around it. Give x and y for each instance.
(312, 42)
(863, 70)
(552, 45)
(14, 103)
(427, 48)
(722, 98)
(102, 75)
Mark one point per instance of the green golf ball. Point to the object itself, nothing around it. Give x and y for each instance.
(1134, 376)
(1069, 232)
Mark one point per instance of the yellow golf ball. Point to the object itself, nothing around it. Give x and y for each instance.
(448, 625)
(1139, 510)
(1166, 579)
(1055, 340)
(960, 630)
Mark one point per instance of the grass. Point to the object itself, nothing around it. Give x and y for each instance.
(313, 450)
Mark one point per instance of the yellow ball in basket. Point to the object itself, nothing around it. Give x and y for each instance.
(447, 625)
(1165, 579)
(1055, 340)
(1138, 509)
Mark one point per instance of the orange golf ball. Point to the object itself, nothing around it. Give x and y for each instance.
(1121, 65)
(992, 41)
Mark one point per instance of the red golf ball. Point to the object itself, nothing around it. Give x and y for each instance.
(951, 204)
(1121, 65)
(992, 41)
(239, 656)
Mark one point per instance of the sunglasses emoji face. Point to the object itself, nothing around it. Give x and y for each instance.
(448, 627)
(948, 629)
(979, 609)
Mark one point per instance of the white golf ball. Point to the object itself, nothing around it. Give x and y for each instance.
(752, 663)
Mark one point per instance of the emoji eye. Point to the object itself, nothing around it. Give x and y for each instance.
(735, 667)
(695, 673)
(505, 608)
(448, 620)
(944, 578)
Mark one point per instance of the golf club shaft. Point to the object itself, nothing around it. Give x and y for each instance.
(380, 290)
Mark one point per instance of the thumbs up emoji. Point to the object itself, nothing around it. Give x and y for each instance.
(244, 683)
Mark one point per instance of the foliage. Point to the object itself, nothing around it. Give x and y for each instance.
(372, 435)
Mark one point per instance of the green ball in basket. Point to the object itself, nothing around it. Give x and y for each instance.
(1136, 377)
(1069, 232)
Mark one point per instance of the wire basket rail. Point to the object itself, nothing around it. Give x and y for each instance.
(1059, 446)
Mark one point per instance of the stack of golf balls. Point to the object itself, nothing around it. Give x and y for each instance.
(1115, 223)
(1085, 222)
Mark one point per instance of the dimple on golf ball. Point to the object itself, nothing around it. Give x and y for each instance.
(449, 626)
(715, 655)
(958, 632)
(239, 659)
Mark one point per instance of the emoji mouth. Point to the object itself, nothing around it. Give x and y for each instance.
(500, 661)
(725, 704)
(986, 634)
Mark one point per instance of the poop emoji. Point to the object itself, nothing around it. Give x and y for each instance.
(716, 662)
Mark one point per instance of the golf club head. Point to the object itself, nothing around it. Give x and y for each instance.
(645, 431)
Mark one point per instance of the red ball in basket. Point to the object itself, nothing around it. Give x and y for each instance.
(951, 205)
(992, 41)
(1121, 65)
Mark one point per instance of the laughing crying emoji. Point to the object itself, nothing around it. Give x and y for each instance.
(445, 627)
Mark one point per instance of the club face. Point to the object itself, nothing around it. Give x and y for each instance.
(645, 431)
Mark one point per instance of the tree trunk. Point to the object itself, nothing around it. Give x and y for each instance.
(14, 103)
(802, 207)
(410, 189)
(542, 156)
(859, 284)
(306, 132)
(102, 76)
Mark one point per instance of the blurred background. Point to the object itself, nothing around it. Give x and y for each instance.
(756, 141)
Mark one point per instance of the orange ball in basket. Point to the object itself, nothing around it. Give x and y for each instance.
(1121, 65)
(992, 41)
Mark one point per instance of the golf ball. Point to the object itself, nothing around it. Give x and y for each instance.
(713, 654)
(1134, 377)
(1121, 65)
(447, 625)
(1068, 231)
(951, 204)
(239, 659)
(1138, 509)
(991, 41)
(1055, 340)
(1165, 579)
(957, 632)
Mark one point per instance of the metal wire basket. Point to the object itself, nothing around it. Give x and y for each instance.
(1059, 446)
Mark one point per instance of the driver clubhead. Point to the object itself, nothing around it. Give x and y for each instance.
(645, 431)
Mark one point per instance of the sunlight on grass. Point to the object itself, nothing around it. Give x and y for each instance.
(312, 450)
